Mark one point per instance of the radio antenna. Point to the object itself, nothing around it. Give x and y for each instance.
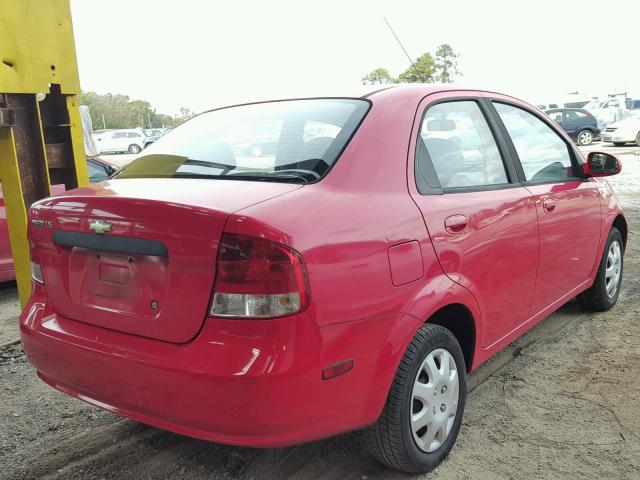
(404, 50)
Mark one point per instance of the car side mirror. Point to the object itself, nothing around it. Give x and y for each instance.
(601, 165)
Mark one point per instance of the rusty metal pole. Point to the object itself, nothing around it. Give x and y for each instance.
(40, 131)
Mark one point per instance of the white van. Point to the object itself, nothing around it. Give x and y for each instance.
(113, 141)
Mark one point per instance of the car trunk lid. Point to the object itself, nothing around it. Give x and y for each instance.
(138, 256)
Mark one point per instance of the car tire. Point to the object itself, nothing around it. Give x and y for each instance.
(619, 144)
(133, 148)
(585, 137)
(638, 139)
(398, 439)
(603, 295)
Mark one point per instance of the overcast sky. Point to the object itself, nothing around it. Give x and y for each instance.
(202, 54)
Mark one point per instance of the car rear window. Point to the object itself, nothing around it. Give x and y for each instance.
(294, 141)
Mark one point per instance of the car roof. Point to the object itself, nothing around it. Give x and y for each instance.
(417, 90)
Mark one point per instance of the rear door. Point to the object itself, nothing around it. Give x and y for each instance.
(481, 221)
(121, 141)
(567, 206)
(575, 122)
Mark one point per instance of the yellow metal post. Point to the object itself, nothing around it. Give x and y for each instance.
(40, 139)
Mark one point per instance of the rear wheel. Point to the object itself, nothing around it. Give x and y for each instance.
(421, 419)
(585, 137)
(133, 148)
(638, 139)
(604, 292)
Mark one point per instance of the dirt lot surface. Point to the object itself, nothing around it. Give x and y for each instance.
(561, 402)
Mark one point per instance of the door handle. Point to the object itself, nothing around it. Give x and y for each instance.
(548, 205)
(455, 223)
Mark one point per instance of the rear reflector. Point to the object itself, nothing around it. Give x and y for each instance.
(36, 273)
(36, 270)
(257, 278)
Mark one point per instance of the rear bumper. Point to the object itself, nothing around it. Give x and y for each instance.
(250, 383)
(611, 137)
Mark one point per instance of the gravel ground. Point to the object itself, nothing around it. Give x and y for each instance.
(563, 401)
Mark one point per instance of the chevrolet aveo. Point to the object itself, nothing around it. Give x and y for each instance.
(348, 274)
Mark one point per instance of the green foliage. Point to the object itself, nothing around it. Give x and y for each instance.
(443, 68)
(422, 73)
(378, 76)
(119, 111)
(185, 114)
(446, 63)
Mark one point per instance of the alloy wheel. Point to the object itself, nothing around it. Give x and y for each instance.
(585, 138)
(434, 400)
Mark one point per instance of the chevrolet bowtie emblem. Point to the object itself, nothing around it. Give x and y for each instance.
(100, 226)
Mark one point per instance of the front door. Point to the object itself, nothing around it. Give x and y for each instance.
(481, 220)
(568, 207)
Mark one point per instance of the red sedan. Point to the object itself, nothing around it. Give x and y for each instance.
(348, 278)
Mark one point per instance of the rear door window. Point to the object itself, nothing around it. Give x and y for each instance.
(457, 145)
(556, 116)
(571, 115)
(543, 154)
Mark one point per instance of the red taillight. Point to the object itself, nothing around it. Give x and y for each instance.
(257, 278)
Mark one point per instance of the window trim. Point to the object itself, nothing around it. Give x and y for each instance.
(571, 149)
(511, 173)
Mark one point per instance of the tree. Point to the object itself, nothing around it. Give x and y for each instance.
(446, 63)
(378, 76)
(422, 72)
(185, 114)
(119, 111)
(443, 68)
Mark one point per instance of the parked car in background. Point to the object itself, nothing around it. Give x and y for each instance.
(608, 111)
(98, 170)
(633, 104)
(153, 134)
(624, 131)
(579, 124)
(120, 141)
(351, 284)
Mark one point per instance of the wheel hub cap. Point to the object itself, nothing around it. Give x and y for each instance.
(434, 400)
(585, 137)
(613, 269)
